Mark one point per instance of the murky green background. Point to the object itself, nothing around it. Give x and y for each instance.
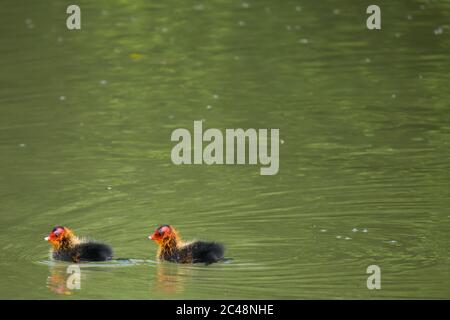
(85, 124)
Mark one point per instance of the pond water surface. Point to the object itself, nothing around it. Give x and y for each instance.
(85, 124)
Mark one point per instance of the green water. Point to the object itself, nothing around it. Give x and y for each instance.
(85, 124)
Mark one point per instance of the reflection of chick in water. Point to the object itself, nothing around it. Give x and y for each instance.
(64, 279)
(172, 278)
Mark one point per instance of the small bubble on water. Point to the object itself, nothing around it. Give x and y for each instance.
(323, 230)
(216, 96)
(22, 145)
(171, 117)
(208, 107)
(241, 23)
(367, 60)
(288, 28)
(281, 141)
(336, 11)
(392, 241)
(103, 82)
(62, 98)
(354, 230)
(364, 230)
(29, 23)
(108, 188)
(438, 31)
(397, 34)
(338, 237)
(303, 41)
(245, 5)
(422, 7)
(409, 17)
(298, 8)
(393, 96)
(60, 39)
(199, 7)
(348, 238)
(236, 58)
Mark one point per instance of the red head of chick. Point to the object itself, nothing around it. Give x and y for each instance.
(62, 238)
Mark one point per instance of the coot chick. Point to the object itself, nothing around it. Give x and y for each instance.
(68, 247)
(172, 249)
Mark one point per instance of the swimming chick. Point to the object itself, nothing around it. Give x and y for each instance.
(68, 247)
(172, 249)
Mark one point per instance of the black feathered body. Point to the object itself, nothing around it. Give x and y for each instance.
(84, 252)
(194, 252)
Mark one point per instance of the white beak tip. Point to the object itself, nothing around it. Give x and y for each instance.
(46, 238)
